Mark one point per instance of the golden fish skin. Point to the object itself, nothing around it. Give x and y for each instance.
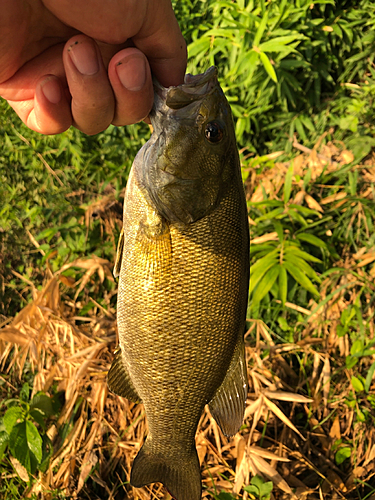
(183, 262)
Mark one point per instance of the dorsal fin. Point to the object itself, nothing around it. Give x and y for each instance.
(120, 249)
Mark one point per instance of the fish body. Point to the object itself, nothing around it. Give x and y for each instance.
(183, 265)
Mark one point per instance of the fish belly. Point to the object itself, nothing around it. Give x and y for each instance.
(180, 311)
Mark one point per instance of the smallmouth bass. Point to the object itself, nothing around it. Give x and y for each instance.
(183, 267)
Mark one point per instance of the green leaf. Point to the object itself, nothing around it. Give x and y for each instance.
(307, 123)
(86, 308)
(261, 489)
(265, 284)
(266, 203)
(47, 233)
(337, 30)
(25, 444)
(341, 330)
(301, 278)
(342, 454)
(288, 183)
(56, 403)
(47, 449)
(260, 272)
(224, 496)
(12, 416)
(272, 256)
(266, 247)
(283, 284)
(350, 362)
(297, 216)
(312, 239)
(357, 384)
(4, 440)
(252, 61)
(291, 249)
(283, 324)
(300, 129)
(301, 264)
(34, 440)
(369, 377)
(43, 403)
(19, 447)
(278, 44)
(365, 352)
(268, 66)
(260, 30)
(357, 348)
(39, 417)
(304, 210)
(349, 123)
(270, 215)
(25, 392)
(266, 490)
(279, 230)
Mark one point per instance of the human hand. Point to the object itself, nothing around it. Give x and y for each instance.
(85, 64)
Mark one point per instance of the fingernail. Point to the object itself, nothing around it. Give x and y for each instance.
(51, 90)
(84, 57)
(132, 72)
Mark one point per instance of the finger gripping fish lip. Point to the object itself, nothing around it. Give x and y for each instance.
(192, 90)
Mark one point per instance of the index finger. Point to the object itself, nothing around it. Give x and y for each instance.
(150, 24)
(161, 40)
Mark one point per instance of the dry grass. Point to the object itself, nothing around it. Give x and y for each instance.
(287, 437)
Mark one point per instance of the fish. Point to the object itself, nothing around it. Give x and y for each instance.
(183, 268)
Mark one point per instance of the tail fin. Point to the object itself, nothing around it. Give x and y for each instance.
(180, 475)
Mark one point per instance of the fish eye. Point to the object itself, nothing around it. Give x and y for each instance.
(213, 132)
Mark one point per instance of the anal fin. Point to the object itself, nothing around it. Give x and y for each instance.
(119, 381)
(228, 405)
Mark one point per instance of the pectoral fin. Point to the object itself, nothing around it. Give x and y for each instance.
(120, 248)
(119, 381)
(228, 405)
(154, 249)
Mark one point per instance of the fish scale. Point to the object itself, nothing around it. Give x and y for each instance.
(183, 263)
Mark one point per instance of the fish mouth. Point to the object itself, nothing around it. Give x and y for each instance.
(193, 89)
